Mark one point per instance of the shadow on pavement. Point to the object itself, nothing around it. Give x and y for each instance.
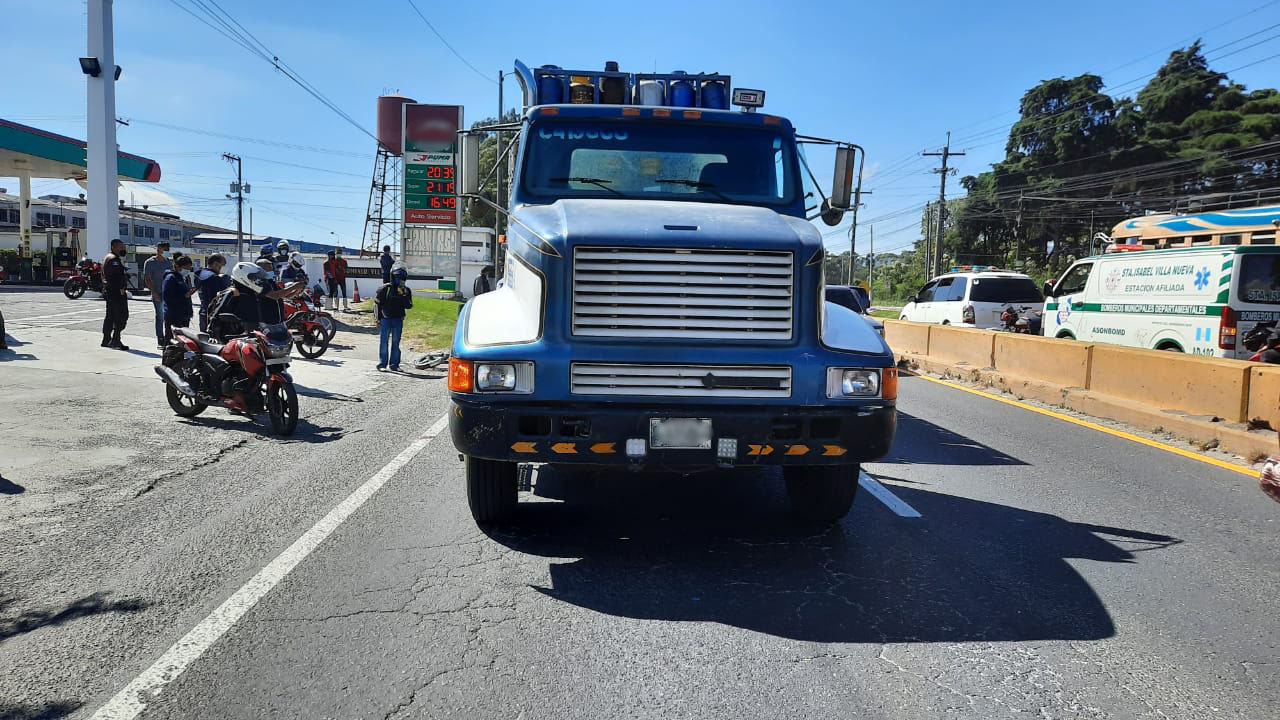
(94, 604)
(9, 487)
(43, 711)
(305, 391)
(920, 442)
(306, 432)
(721, 548)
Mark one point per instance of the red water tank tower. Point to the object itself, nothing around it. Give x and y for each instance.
(390, 110)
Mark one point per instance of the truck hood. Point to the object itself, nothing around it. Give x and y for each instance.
(649, 222)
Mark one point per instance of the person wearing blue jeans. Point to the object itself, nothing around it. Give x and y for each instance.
(153, 272)
(392, 301)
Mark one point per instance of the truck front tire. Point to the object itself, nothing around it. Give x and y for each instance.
(491, 490)
(821, 494)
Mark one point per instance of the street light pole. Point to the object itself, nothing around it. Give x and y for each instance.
(103, 212)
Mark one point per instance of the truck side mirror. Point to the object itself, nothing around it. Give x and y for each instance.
(842, 187)
(470, 170)
(830, 215)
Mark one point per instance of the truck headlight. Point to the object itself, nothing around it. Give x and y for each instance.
(862, 383)
(493, 376)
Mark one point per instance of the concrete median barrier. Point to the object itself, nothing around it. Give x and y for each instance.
(1264, 394)
(907, 337)
(1060, 362)
(961, 345)
(1198, 398)
(1172, 381)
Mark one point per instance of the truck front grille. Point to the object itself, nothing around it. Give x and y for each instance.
(678, 293)
(736, 381)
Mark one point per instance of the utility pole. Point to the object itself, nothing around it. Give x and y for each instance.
(928, 241)
(853, 228)
(946, 155)
(239, 189)
(871, 260)
(101, 187)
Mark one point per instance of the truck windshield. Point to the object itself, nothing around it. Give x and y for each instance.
(659, 161)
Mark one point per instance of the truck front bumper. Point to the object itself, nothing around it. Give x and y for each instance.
(598, 435)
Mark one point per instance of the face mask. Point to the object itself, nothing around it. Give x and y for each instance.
(185, 273)
(271, 276)
(164, 253)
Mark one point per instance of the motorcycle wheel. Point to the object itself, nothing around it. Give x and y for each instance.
(312, 343)
(282, 407)
(73, 288)
(182, 405)
(330, 327)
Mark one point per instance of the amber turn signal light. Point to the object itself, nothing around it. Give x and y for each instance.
(461, 375)
(888, 384)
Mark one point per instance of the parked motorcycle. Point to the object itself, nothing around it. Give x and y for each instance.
(247, 374)
(311, 336)
(322, 316)
(88, 276)
(1024, 320)
(1263, 341)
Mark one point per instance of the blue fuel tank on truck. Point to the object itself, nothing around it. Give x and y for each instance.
(662, 305)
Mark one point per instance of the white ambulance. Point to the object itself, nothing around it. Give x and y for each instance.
(1194, 299)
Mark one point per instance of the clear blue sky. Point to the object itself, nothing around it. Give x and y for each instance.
(893, 77)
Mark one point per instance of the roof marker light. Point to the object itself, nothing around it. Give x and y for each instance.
(693, 114)
(661, 112)
(748, 100)
(630, 111)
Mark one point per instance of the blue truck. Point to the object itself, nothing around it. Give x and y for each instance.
(661, 304)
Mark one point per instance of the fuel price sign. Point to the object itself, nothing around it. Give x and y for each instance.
(430, 168)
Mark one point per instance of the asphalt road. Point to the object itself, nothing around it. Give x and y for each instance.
(1053, 572)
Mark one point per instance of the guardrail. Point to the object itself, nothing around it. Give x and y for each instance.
(1196, 397)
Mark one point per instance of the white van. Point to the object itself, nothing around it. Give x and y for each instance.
(972, 298)
(1191, 299)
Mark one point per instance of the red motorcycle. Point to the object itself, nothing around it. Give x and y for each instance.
(88, 276)
(307, 328)
(247, 374)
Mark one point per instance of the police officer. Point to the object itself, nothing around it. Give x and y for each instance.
(115, 290)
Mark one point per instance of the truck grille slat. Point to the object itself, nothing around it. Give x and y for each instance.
(746, 381)
(677, 293)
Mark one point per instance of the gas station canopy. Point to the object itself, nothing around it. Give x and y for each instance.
(36, 153)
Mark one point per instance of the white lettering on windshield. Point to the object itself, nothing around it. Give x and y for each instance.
(578, 134)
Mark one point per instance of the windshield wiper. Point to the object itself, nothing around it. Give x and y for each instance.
(699, 184)
(599, 182)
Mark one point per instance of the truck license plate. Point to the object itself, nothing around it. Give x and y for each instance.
(680, 433)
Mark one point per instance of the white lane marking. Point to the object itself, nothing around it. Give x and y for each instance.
(133, 699)
(96, 311)
(882, 493)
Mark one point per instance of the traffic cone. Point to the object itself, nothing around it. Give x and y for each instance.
(355, 297)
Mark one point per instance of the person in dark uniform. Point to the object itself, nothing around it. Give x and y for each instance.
(115, 290)
(484, 281)
(387, 262)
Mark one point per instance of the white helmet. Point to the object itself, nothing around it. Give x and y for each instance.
(283, 246)
(296, 259)
(249, 276)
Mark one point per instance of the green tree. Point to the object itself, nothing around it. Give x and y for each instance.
(479, 214)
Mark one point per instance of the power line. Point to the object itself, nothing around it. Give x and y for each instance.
(303, 167)
(243, 138)
(446, 44)
(226, 25)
